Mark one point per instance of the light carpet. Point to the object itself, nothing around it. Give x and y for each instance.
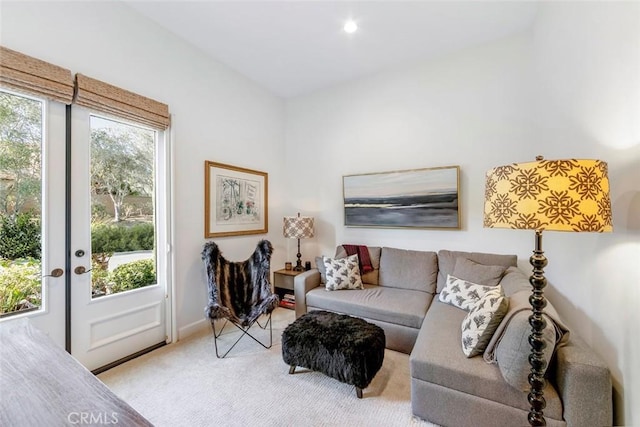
(184, 384)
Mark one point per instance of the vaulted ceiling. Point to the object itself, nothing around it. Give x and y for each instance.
(296, 47)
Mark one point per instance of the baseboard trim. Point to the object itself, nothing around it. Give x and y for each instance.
(192, 328)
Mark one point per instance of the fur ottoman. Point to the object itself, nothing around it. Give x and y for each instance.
(346, 348)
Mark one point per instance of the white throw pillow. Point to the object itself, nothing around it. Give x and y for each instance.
(462, 293)
(482, 321)
(342, 273)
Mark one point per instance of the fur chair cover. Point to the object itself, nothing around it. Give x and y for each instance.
(239, 291)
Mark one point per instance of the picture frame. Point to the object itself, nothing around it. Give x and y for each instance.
(418, 198)
(235, 200)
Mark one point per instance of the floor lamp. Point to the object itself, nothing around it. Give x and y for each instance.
(559, 195)
(298, 227)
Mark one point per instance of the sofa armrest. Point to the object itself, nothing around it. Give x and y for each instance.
(584, 384)
(302, 284)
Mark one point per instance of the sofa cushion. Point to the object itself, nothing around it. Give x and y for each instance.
(482, 321)
(512, 337)
(321, 269)
(514, 280)
(488, 275)
(513, 349)
(342, 273)
(462, 293)
(370, 277)
(407, 269)
(436, 358)
(399, 306)
(447, 261)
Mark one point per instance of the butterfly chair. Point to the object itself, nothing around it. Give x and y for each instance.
(239, 292)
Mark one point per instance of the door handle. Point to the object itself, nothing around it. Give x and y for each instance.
(81, 270)
(56, 272)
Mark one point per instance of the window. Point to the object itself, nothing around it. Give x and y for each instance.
(21, 142)
(122, 206)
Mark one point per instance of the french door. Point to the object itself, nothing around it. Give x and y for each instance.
(32, 197)
(119, 239)
(84, 228)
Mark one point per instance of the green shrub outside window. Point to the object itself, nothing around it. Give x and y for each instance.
(19, 284)
(19, 236)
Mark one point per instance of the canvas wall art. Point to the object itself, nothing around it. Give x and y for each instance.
(418, 198)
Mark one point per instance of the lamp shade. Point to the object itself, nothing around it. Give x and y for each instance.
(298, 227)
(560, 195)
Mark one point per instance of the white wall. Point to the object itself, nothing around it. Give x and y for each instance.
(217, 114)
(587, 64)
(568, 88)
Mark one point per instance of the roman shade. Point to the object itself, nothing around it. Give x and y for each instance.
(112, 100)
(33, 76)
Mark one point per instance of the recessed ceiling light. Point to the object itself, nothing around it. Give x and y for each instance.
(350, 26)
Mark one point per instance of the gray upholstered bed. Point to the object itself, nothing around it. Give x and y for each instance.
(41, 384)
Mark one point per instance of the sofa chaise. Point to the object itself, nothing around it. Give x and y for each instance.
(402, 295)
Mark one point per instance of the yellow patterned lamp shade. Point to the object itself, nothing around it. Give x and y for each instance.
(560, 195)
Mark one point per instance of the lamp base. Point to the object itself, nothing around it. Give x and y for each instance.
(536, 320)
(298, 266)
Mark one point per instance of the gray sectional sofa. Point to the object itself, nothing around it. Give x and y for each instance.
(447, 388)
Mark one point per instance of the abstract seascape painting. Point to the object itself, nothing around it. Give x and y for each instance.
(419, 198)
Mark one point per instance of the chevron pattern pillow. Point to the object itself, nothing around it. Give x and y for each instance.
(342, 273)
(482, 321)
(462, 293)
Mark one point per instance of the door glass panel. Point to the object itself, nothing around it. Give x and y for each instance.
(21, 130)
(123, 229)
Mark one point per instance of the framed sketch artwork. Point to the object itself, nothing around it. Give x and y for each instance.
(235, 201)
(419, 198)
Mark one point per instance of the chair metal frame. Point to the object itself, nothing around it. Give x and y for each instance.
(245, 331)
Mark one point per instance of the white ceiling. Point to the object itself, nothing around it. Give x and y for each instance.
(296, 47)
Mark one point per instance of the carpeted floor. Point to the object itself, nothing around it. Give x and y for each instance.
(184, 384)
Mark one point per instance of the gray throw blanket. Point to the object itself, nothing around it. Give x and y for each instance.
(519, 302)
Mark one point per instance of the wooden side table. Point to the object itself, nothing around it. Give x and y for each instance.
(283, 285)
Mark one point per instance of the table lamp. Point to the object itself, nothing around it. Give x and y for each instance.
(298, 227)
(559, 195)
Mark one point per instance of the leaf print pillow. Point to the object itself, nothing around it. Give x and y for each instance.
(342, 273)
(462, 293)
(482, 321)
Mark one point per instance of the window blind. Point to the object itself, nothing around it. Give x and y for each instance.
(109, 99)
(33, 76)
